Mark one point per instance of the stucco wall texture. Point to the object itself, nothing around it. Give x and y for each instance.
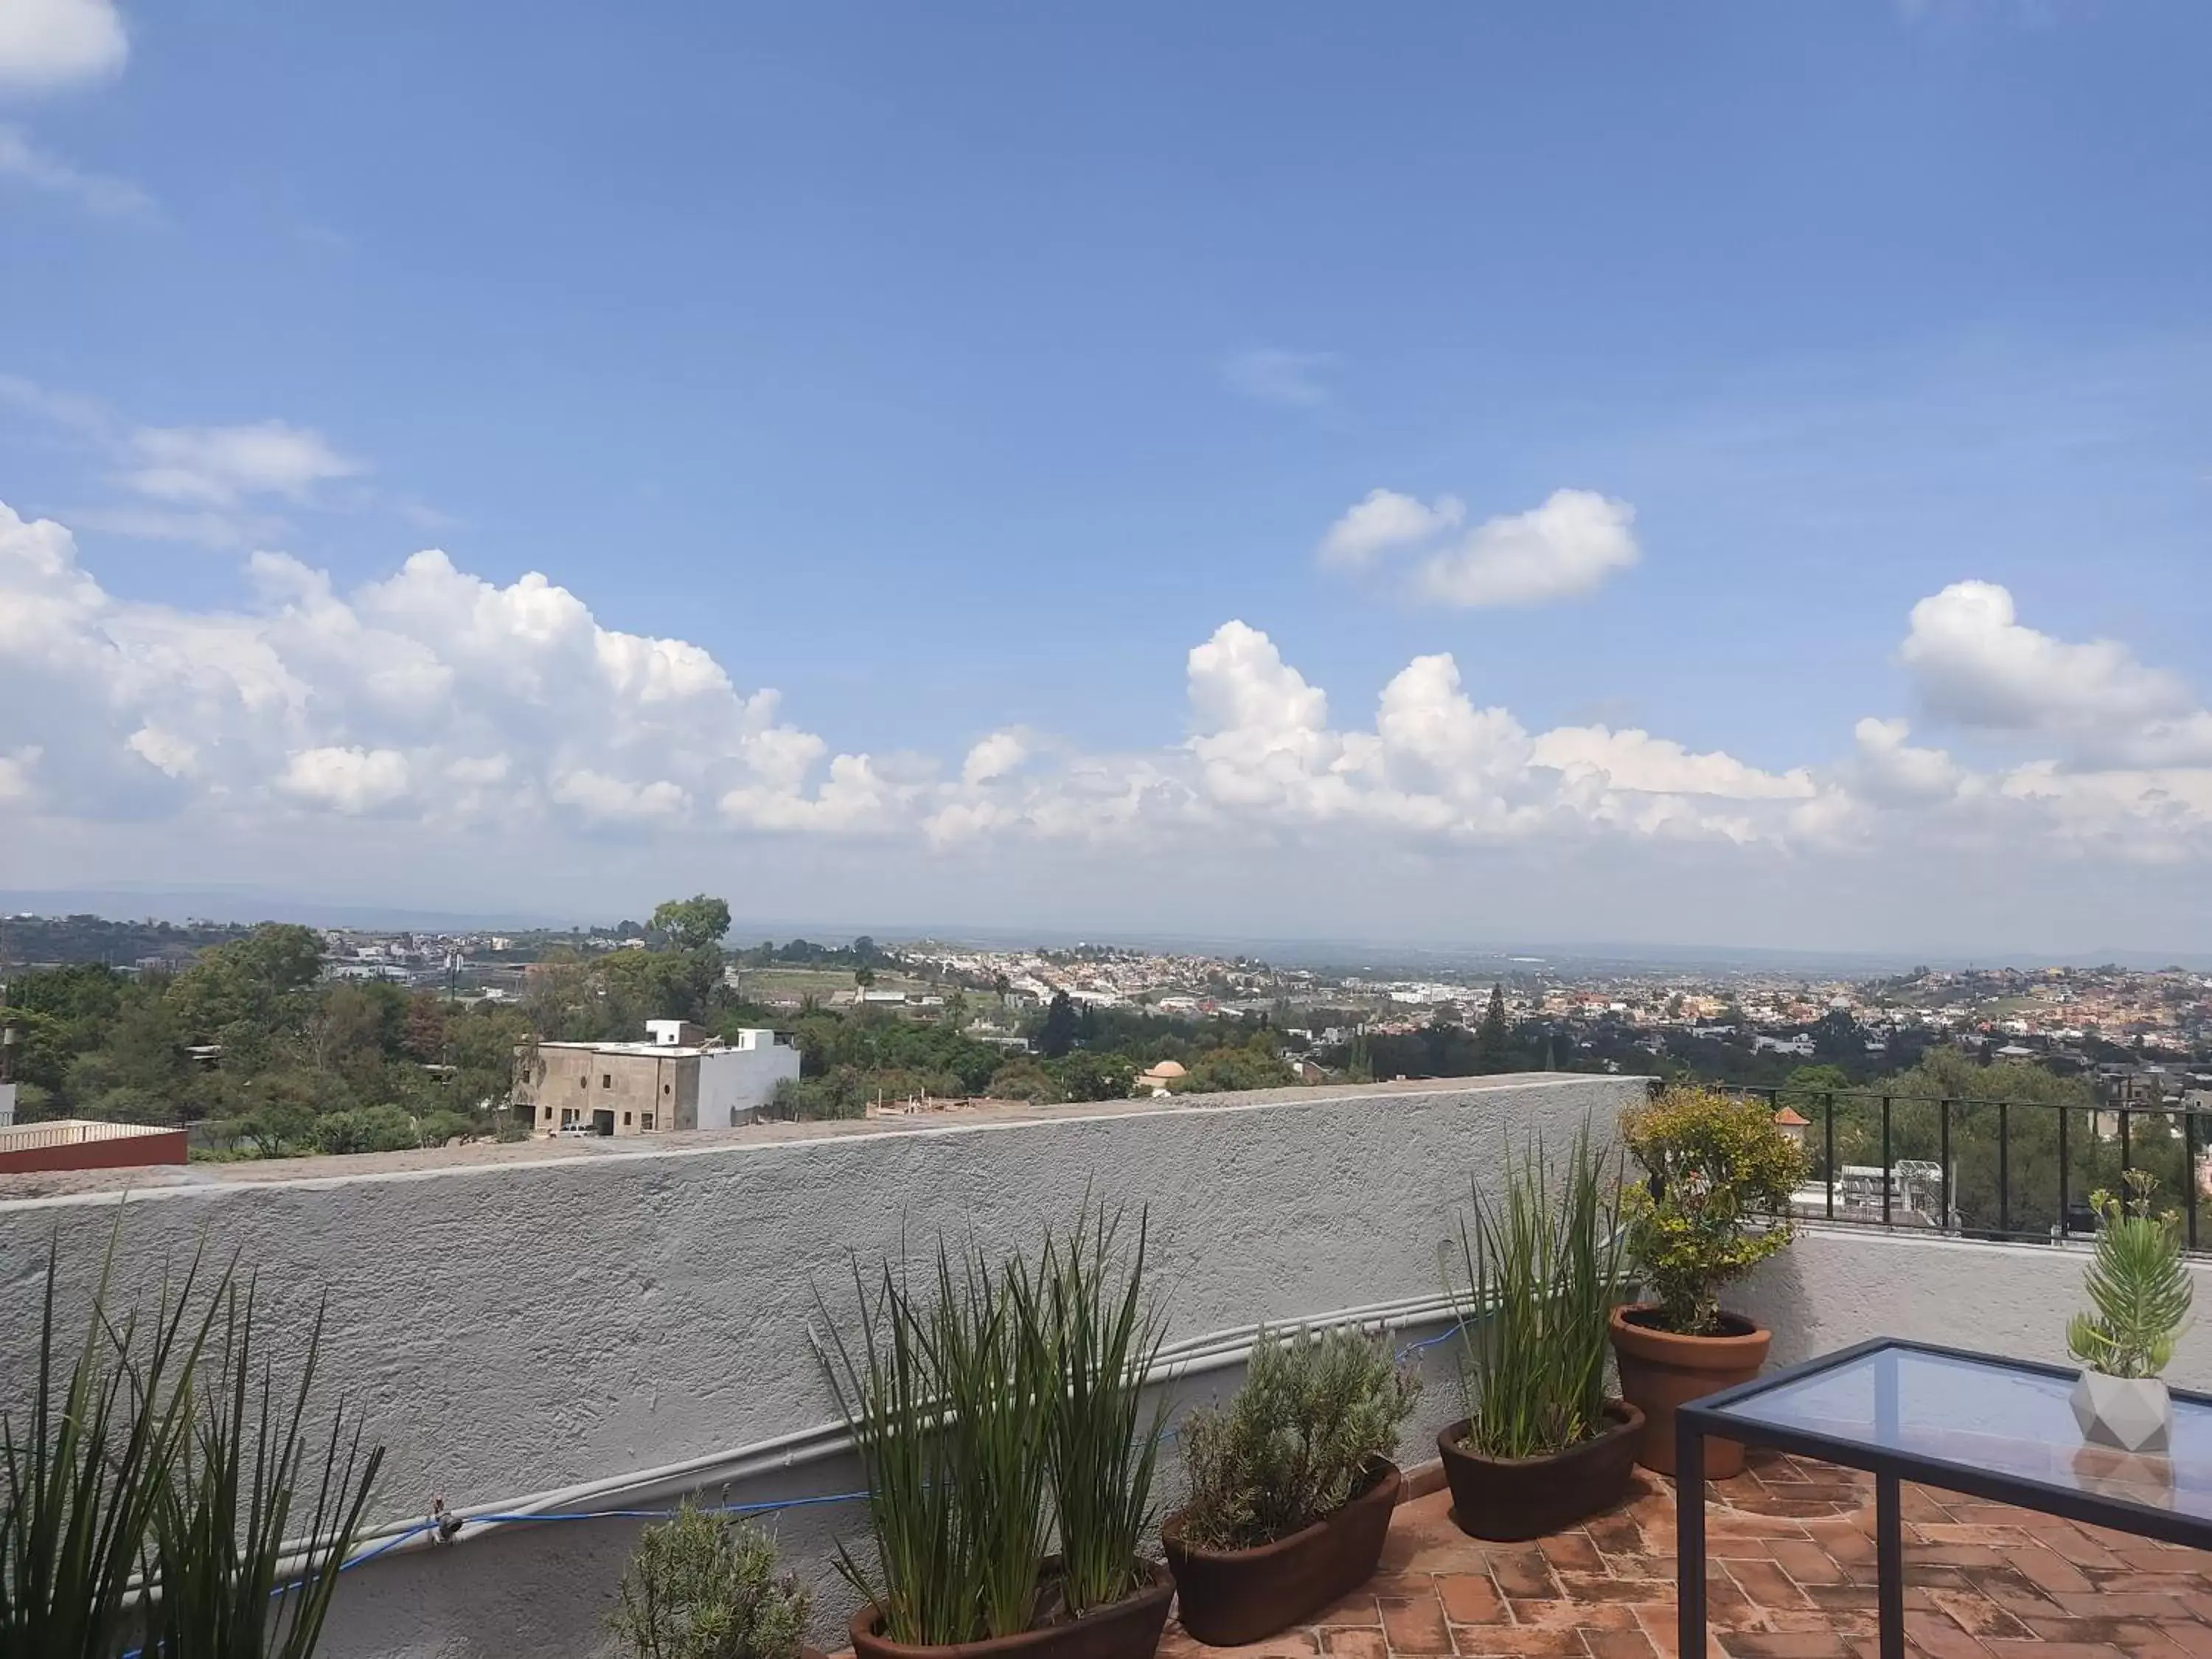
(1833, 1287)
(512, 1328)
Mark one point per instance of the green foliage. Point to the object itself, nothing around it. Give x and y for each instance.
(238, 1493)
(992, 1403)
(168, 1448)
(368, 1130)
(1493, 1038)
(1296, 1443)
(943, 1396)
(700, 1587)
(693, 924)
(1023, 1079)
(1444, 1049)
(2030, 1166)
(1543, 1270)
(631, 986)
(1810, 1086)
(2136, 1282)
(1252, 1066)
(258, 981)
(1057, 1034)
(1084, 1309)
(294, 1049)
(1084, 1075)
(1717, 1202)
(844, 1093)
(87, 1468)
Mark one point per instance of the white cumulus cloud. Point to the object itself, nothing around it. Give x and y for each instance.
(512, 698)
(604, 799)
(1891, 770)
(1384, 519)
(436, 704)
(993, 756)
(350, 780)
(1561, 549)
(46, 43)
(1974, 662)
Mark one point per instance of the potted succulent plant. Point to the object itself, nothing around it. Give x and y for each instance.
(996, 1406)
(700, 1586)
(1291, 1486)
(1717, 1203)
(1542, 1445)
(2140, 1291)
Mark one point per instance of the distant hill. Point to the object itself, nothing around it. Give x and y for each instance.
(32, 940)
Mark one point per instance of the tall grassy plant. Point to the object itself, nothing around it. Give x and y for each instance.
(942, 1397)
(1543, 1270)
(86, 1468)
(240, 1488)
(1084, 1308)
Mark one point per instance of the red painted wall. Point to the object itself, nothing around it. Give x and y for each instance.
(125, 1151)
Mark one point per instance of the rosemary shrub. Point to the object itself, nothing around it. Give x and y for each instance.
(702, 1586)
(1543, 1270)
(1296, 1443)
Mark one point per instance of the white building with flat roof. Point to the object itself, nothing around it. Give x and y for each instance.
(678, 1079)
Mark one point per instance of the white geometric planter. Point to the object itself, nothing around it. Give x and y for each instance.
(2130, 1413)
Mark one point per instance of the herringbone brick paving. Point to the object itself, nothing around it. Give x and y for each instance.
(1792, 1575)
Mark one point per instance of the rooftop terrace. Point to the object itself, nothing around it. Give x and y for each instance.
(571, 1327)
(1792, 1576)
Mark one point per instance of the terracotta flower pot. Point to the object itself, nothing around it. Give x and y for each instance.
(1229, 1597)
(1129, 1629)
(1661, 1370)
(1516, 1498)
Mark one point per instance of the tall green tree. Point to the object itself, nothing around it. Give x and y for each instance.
(1493, 1038)
(1057, 1034)
(697, 923)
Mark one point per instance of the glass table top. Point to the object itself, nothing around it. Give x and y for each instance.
(1985, 1415)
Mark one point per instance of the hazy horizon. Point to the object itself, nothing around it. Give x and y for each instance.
(245, 906)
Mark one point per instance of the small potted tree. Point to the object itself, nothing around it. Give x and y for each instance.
(2140, 1291)
(1292, 1486)
(702, 1586)
(1716, 1205)
(1542, 1446)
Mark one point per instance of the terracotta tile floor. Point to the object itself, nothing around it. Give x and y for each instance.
(1791, 1569)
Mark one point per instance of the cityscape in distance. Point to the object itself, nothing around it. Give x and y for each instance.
(279, 1039)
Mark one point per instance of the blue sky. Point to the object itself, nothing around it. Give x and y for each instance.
(956, 371)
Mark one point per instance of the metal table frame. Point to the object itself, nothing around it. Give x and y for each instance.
(1709, 1416)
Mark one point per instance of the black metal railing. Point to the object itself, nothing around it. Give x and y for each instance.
(2014, 1169)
